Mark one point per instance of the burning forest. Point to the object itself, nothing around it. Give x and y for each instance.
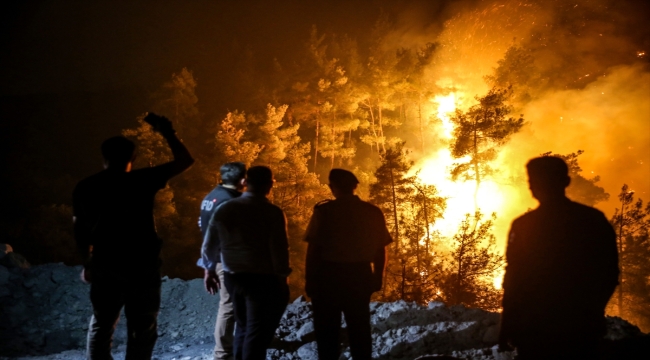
(437, 118)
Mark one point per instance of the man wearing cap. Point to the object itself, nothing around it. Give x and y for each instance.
(232, 183)
(562, 270)
(345, 264)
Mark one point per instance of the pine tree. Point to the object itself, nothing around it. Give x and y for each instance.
(410, 208)
(230, 140)
(632, 225)
(473, 265)
(479, 133)
(581, 189)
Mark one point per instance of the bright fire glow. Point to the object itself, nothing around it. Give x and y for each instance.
(460, 194)
(446, 105)
(434, 170)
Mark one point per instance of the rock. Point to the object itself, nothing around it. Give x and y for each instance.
(305, 330)
(435, 304)
(57, 321)
(308, 351)
(491, 335)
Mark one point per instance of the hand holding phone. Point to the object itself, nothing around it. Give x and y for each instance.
(159, 123)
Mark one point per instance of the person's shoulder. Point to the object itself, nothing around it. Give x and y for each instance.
(275, 208)
(323, 204)
(223, 192)
(527, 216)
(588, 213)
(370, 207)
(90, 181)
(586, 209)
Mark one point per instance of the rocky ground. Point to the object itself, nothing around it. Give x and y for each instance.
(44, 313)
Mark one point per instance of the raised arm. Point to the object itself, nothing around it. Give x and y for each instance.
(182, 158)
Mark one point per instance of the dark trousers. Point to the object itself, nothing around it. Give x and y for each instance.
(569, 348)
(342, 288)
(259, 300)
(139, 294)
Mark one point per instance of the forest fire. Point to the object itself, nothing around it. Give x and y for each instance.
(434, 170)
(392, 97)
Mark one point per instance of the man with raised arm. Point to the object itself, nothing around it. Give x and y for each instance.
(116, 235)
(562, 269)
(346, 258)
(252, 233)
(232, 183)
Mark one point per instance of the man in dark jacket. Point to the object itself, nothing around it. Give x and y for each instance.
(346, 257)
(113, 222)
(562, 269)
(255, 257)
(232, 183)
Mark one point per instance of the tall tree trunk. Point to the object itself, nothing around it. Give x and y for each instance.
(403, 287)
(420, 118)
(620, 262)
(372, 124)
(392, 187)
(316, 141)
(381, 129)
(476, 170)
(426, 220)
(459, 280)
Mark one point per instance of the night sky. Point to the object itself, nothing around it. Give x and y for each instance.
(75, 72)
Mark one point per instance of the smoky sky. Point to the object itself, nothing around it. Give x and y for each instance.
(76, 72)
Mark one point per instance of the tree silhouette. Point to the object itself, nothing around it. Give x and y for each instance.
(581, 189)
(473, 265)
(410, 208)
(632, 225)
(479, 133)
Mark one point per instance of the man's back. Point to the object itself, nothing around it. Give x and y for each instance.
(562, 267)
(348, 230)
(117, 207)
(253, 237)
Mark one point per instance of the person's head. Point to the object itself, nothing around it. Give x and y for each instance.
(259, 180)
(342, 182)
(548, 177)
(233, 174)
(118, 153)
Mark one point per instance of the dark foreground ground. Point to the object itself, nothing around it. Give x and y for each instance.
(44, 313)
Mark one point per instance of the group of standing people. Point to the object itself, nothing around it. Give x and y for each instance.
(562, 254)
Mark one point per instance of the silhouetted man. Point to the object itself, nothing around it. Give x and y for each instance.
(346, 257)
(255, 257)
(115, 232)
(562, 269)
(232, 183)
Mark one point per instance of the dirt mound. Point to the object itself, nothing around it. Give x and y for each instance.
(45, 311)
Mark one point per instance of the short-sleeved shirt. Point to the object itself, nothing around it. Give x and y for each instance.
(115, 211)
(347, 229)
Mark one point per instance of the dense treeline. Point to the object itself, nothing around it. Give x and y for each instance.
(367, 110)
